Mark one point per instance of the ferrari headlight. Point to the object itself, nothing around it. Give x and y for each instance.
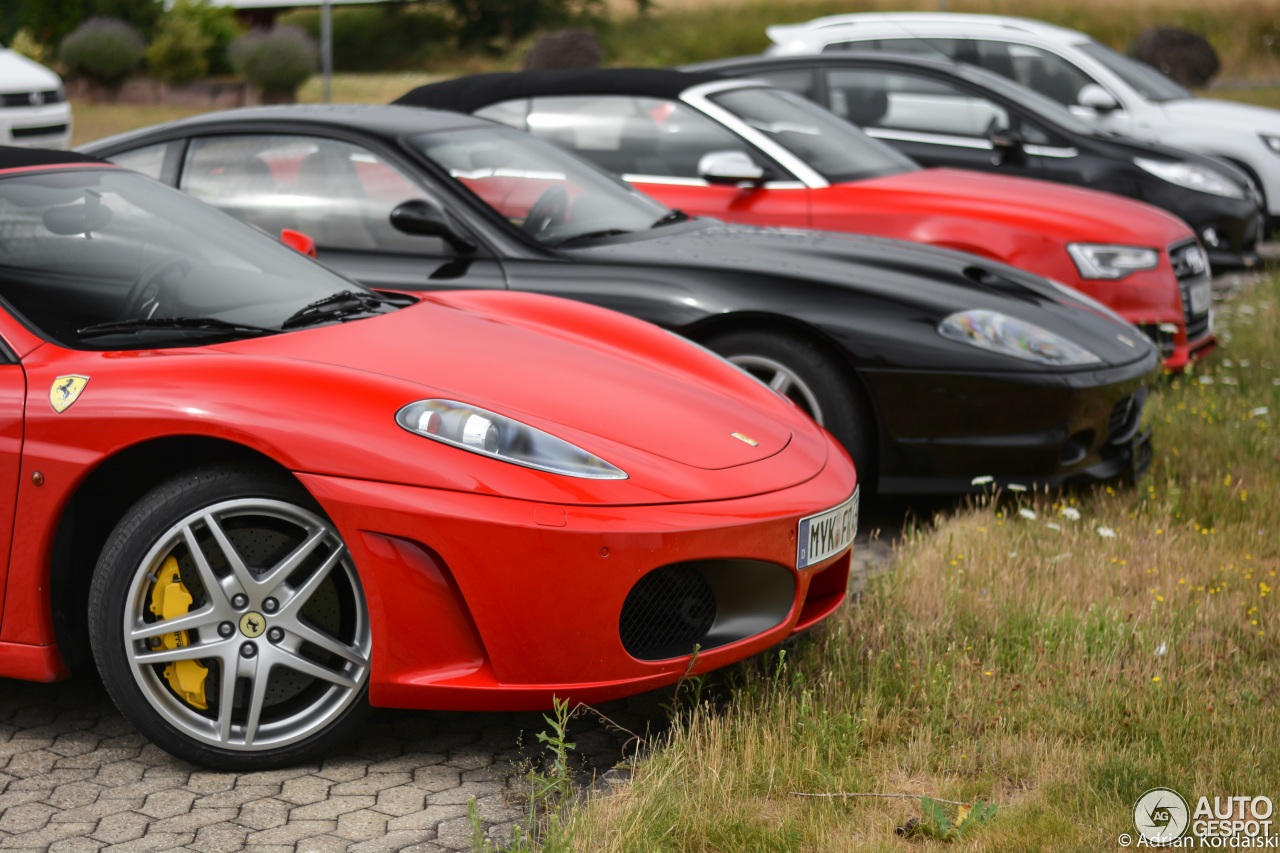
(1193, 176)
(490, 434)
(991, 330)
(1095, 260)
(1272, 142)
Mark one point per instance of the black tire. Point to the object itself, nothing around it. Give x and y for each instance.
(826, 390)
(308, 672)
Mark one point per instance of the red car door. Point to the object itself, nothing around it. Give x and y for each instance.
(657, 145)
(787, 204)
(13, 392)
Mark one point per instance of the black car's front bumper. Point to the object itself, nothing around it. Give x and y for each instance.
(941, 431)
(1228, 228)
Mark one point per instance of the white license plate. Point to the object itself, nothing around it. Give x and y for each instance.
(1201, 297)
(826, 534)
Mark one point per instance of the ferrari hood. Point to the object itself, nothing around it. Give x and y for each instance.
(578, 372)
(935, 281)
(1069, 214)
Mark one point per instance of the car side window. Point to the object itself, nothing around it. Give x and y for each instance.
(899, 101)
(1045, 72)
(338, 193)
(625, 135)
(803, 83)
(149, 160)
(932, 48)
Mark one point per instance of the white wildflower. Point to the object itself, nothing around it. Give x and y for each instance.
(1052, 526)
(1106, 533)
(1259, 412)
(1017, 487)
(1071, 513)
(981, 481)
(1028, 514)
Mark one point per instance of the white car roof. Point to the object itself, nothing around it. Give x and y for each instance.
(835, 28)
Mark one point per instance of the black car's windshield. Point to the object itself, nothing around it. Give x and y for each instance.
(1145, 80)
(108, 259)
(1031, 100)
(830, 146)
(550, 195)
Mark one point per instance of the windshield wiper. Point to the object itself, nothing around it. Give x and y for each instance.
(341, 304)
(591, 235)
(671, 217)
(191, 324)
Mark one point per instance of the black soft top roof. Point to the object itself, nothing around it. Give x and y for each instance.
(24, 158)
(468, 94)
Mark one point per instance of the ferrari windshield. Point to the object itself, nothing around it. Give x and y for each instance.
(99, 258)
(829, 145)
(550, 195)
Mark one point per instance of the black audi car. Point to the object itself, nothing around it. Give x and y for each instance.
(934, 368)
(953, 114)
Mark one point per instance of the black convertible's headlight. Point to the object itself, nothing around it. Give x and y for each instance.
(497, 436)
(996, 332)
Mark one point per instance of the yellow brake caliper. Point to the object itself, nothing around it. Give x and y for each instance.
(169, 600)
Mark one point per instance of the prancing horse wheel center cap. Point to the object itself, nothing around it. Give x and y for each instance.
(252, 624)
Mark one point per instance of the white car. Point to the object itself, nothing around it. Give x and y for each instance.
(34, 112)
(1111, 91)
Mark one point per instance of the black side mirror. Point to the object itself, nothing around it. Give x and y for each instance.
(1007, 146)
(425, 219)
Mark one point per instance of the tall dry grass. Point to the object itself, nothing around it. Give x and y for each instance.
(1058, 655)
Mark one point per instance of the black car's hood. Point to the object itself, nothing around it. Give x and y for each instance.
(937, 282)
(1126, 147)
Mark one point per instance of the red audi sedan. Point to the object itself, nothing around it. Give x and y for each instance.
(745, 151)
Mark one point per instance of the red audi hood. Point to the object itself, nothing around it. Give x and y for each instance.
(1073, 213)
(570, 369)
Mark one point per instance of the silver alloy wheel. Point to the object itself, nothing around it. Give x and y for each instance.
(782, 379)
(284, 573)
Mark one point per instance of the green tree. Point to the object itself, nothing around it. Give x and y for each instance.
(178, 53)
(52, 20)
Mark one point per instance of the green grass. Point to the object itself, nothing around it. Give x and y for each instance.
(1035, 663)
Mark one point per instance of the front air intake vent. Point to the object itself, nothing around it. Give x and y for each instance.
(707, 603)
(666, 613)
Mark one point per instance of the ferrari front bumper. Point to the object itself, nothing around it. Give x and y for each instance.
(481, 602)
(957, 432)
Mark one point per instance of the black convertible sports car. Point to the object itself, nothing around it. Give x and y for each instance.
(932, 367)
(953, 114)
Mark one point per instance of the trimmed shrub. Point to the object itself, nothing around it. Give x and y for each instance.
(275, 61)
(1185, 56)
(564, 49)
(178, 53)
(106, 50)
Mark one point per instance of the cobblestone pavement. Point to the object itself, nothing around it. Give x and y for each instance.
(76, 776)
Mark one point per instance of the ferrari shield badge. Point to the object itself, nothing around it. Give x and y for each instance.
(66, 390)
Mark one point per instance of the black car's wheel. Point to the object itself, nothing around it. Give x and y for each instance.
(228, 621)
(807, 376)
